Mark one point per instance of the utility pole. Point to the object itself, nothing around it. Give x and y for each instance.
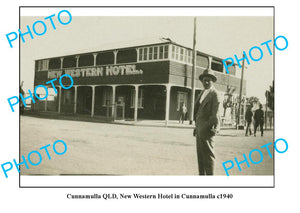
(241, 89)
(193, 73)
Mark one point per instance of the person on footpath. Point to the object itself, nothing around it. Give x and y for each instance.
(248, 117)
(207, 122)
(182, 111)
(259, 120)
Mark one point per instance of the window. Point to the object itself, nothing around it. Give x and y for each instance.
(86, 60)
(107, 97)
(126, 56)
(166, 51)
(181, 99)
(140, 54)
(217, 66)
(161, 52)
(181, 54)
(173, 52)
(54, 63)
(202, 61)
(150, 53)
(190, 57)
(177, 53)
(69, 61)
(155, 53)
(140, 98)
(185, 57)
(43, 65)
(145, 53)
(104, 58)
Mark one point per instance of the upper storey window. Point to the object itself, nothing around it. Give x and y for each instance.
(126, 56)
(181, 54)
(153, 53)
(54, 63)
(104, 58)
(42, 65)
(86, 60)
(69, 61)
(217, 66)
(184, 55)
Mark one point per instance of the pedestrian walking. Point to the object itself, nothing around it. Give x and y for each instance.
(259, 120)
(248, 118)
(207, 122)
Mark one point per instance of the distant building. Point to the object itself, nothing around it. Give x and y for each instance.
(149, 81)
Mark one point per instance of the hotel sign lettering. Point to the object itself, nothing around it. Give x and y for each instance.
(97, 71)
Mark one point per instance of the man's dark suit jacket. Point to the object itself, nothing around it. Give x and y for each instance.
(259, 115)
(248, 115)
(206, 114)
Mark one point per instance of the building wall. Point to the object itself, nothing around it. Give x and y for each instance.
(176, 72)
(181, 74)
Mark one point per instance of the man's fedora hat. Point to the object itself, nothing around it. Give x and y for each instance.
(209, 73)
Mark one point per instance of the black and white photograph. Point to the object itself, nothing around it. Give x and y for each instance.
(148, 95)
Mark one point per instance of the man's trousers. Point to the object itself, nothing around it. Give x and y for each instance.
(205, 154)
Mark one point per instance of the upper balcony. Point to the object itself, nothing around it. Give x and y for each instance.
(140, 54)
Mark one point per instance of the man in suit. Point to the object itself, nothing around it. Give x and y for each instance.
(207, 122)
(259, 120)
(248, 117)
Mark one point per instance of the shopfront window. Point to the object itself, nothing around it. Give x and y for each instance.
(140, 98)
(107, 97)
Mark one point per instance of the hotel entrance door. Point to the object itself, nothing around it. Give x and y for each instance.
(120, 108)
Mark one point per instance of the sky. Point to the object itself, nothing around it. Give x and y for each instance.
(221, 36)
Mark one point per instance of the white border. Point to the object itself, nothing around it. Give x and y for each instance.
(154, 11)
(148, 181)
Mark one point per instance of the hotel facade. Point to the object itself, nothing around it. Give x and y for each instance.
(149, 81)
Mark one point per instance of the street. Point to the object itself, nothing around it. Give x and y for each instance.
(114, 149)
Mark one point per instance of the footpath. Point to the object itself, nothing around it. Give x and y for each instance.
(103, 119)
